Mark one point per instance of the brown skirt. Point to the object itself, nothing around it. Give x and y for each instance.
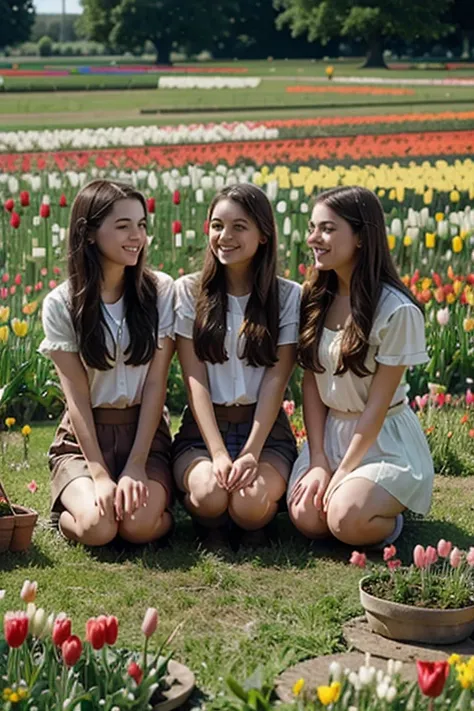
(235, 423)
(116, 430)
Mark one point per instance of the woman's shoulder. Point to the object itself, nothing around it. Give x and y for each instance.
(188, 285)
(164, 282)
(59, 296)
(288, 289)
(391, 299)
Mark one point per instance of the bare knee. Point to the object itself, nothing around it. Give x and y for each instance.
(309, 521)
(147, 528)
(205, 496)
(253, 507)
(92, 529)
(345, 520)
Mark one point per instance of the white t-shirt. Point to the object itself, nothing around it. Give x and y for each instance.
(122, 385)
(234, 382)
(397, 338)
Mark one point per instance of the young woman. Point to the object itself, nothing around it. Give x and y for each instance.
(237, 328)
(109, 332)
(366, 459)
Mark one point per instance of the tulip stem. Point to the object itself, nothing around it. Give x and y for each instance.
(145, 654)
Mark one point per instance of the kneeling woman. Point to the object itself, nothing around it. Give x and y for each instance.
(366, 459)
(109, 332)
(237, 327)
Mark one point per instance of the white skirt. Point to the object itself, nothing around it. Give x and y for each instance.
(399, 460)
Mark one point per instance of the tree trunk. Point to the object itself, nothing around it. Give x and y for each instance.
(375, 59)
(163, 51)
(466, 45)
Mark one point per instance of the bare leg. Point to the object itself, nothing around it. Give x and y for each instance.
(151, 522)
(205, 498)
(255, 506)
(81, 520)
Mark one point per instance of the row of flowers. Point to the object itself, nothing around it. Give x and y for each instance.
(466, 81)
(370, 90)
(198, 82)
(369, 120)
(80, 138)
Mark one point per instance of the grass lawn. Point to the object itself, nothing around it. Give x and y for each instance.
(269, 607)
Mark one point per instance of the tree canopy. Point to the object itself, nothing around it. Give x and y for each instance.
(372, 20)
(18, 17)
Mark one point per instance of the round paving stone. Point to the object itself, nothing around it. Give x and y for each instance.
(360, 637)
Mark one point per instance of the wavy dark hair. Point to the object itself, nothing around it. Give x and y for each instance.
(92, 205)
(373, 268)
(260, 325)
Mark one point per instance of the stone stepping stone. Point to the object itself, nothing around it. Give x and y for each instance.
(316, 671)
(360, 637)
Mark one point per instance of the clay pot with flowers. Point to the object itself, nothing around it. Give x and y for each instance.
(430, 601)
(16, 524)
(45, 666)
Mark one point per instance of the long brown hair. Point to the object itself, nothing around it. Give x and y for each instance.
(90, 208)
(260, 326)
(373, 268)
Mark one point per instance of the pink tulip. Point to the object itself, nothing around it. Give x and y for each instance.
(422, 401)
(358, 559)
(455, 558)
(470, 557)
(289, 407)
(394, 564)
(28, 591)
(444, 548)
(32, 487)
(419, 556)
(150, 621)
(469, 398)
(431, 556)
(389, 552)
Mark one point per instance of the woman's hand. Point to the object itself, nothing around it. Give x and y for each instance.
(105, 494)
(310, 489)
(221, 466)
(243, 473)
(132, 491)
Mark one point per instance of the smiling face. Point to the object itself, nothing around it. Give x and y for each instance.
(122, 235)
(332, 240)
(234, 237)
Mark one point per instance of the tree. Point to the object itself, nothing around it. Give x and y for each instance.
(96, 23)
(462, 15)
(18, 17)
(375, 21)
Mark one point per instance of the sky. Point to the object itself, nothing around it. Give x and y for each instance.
(54, 6)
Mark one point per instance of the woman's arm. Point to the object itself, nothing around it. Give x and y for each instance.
(132, 491)
(384, 384)
(269, 402)
(75, 385)
(199, 399)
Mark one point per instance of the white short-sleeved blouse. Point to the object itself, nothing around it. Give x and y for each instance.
(234, 382)
(122, 385)
(397, 338)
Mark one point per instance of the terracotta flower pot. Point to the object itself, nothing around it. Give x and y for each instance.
(407, 623)
(25, 521)
(7, 524)
(181, 681)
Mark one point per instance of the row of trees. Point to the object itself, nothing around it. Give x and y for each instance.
(257, 28)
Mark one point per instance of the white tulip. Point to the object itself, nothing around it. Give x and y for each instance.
(287, 226)
(304, 208)
(281, 206)
(178, 240)
(335, 671)
(294, 195)
(190, 234)
(396, 227)
(13, 185)
(442, 228)
(38, 622)
(199, 196)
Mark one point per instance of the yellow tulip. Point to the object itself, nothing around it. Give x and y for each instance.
(4, 334)
(457, 244)
(428, 197)
(430, 240)
(468, 324)
(26, 431)
(439, 216)
(450, 298)
(392, 241)
(298, 687)
(4, 313)
(329, 694)
(381, 193)
(407, 241)
(457, 286)
(463, 234)
(10, 421)
(29, 309)
(426, 283)
(392, 194)
(454, 659)
(400, 191)
(454, 196)
(329, 71)
(20, 328)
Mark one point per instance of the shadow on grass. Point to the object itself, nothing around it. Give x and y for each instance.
(34, 557)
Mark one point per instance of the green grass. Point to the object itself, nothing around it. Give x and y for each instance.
(274, 606)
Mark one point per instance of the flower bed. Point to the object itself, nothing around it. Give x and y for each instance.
(370, 90)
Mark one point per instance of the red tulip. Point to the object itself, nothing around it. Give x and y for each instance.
(111, 627)
(9, 204)
(15, 220)
(150, 203)
(38, 286)
(432, 677)
(28, 290)
(135, 672)
(24, 198)
(4, 293)
(62, 201)
(95, 632)
(5, 277)
(61, 630)
(17, 279)
(71, 650)
(45, 210)
(176, 197)
(205, 227)
(15, 628)
(52, 284)
(177, 227)
(12, 290)
(302, 269)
